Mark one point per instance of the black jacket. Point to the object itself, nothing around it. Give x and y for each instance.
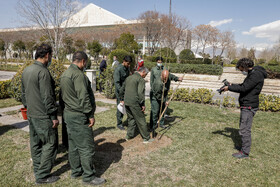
(103, 65)
(251, 87)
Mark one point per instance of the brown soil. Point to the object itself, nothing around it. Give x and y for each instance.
(111, 149)
(130, 148)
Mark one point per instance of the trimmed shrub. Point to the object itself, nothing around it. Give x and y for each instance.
(273, 62)
(150, 64)
(165, 52)
(201, 95)
(4, 86)
(197, 61)
(107, 81)
(120, 54)
(197, 69)
(205, 96)
(234, 61)
(260, 61)
(150, 58)
(228, 101)
(56, 69)
(186, 54)
(207, 69)
(269, 103)
(273, 72)
(229, 65)
(165, 59)
(88, 63)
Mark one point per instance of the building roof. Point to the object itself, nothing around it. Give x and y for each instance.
(89, 16)
(93, 15)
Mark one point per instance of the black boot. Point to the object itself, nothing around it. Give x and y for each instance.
(47, 180)
(95, 181)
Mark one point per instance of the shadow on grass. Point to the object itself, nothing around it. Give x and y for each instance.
(234, 135)
(101, 130)
(169, 111)
(169, 122)
(63, 149)
(106, 154)
(64, 168)
(5, 128)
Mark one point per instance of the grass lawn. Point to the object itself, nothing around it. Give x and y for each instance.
(203, 139)
(8, 102)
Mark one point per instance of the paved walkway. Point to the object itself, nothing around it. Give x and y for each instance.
(6, 75)
(104, 100)
(18, 122)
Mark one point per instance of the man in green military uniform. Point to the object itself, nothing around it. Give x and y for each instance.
(38, 96)
(78, 113)
(132, 95)
(120, 74)
(156, 83)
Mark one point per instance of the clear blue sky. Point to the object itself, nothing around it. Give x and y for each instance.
(239, 15)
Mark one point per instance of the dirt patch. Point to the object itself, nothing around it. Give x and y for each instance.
(110, 149)
(130, 148)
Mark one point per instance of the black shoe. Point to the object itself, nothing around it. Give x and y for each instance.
(120, 127)
(95, 181)
(47, 180)
(154, 134)
(237, 147)
(240, 154)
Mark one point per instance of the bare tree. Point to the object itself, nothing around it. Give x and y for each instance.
(251, 54)
(173, 30)
(226, 41)
(276, 48)
(50, 16)
(150, 26)
(214, 41)
(243, 53)
(267, 54)
(8, 39)
(203, 35)
(231, 53)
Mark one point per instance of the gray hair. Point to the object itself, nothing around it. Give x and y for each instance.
(142, 69)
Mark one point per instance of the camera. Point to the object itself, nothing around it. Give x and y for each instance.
(226, 83)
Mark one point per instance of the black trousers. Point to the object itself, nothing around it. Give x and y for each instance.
(245, 125)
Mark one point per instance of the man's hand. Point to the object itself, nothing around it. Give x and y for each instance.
(55, 123)
(225, 89)
(180, 79)
(166, 103)
(143, 108)
(91, 122)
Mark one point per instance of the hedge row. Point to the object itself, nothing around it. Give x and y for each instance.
(165, 59)
(182, 61)
(56, 69)
(4, 85)
(197, 61)
(190, 68)
(120, 54)
(205, 96)
(201, 95)
(273, 72)
(16, 60)
(269, 103)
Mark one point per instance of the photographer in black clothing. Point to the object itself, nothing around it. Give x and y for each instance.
(248, 99)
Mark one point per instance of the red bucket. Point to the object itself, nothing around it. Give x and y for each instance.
(23, 112)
